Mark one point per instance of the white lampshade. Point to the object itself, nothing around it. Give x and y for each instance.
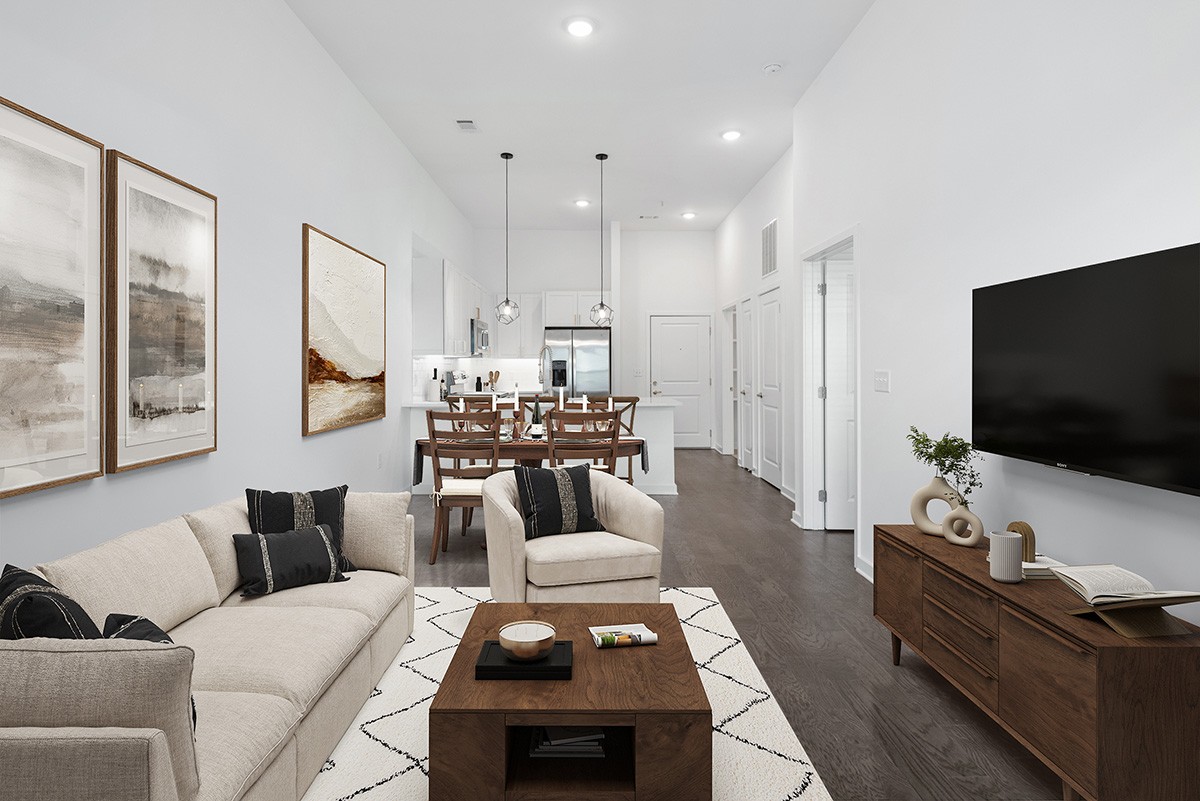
(507, 311)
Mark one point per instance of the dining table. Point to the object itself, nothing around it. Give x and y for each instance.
(530, 453)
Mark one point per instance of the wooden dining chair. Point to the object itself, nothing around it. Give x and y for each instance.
(626, 406)
(584, 435)
(464, 451)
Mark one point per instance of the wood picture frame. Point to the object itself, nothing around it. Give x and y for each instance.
(344, 337)
(161, 343)
(51, 303)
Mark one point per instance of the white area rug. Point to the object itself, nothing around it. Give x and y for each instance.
(385, 754)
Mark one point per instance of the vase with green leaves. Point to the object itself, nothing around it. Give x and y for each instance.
(953, 460)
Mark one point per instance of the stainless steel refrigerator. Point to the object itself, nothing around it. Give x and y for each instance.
(580, 361)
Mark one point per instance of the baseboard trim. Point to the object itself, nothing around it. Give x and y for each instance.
(790, 494)
(797, 520)
(864, 569)
(657, 489)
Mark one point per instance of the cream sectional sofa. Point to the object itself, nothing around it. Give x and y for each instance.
(276, 679)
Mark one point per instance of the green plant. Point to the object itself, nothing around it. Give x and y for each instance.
(951, 457)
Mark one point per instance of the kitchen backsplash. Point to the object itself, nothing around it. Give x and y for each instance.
(512, 372)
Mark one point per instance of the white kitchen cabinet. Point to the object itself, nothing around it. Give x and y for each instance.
(570, 308)
(532, 324)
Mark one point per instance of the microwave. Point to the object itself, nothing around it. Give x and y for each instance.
(480, 343)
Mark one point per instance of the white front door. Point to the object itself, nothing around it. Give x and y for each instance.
(841, 371)
(770, 387)
(681, 370)
(746, 432)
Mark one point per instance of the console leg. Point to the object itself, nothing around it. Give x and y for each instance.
(896, 650)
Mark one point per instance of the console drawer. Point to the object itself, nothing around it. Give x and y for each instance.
(973, 604)
(973, 640)
(1050, 692)
(971, 676)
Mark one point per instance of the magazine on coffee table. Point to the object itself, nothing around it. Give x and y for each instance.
(623, 635)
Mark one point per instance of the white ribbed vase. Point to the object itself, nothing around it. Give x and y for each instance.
(1005, 556)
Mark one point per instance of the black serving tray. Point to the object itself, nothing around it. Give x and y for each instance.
(494, 664)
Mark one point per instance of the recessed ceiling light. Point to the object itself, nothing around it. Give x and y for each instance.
(730, 136)
(579, 26)
(688, 215)
(583, 204)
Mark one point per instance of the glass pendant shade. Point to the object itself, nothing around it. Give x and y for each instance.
(507, 311)
(602, 314)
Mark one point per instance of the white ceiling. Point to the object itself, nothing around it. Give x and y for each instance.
(654, 87)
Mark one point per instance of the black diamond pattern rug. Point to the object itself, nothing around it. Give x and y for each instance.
(385, 754)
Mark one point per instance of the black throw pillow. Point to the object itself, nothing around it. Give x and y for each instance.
(556, 500)
(276, 512)
(136, 627)
(281, 560)
(33, 607)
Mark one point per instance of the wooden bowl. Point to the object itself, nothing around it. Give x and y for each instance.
(527, 640)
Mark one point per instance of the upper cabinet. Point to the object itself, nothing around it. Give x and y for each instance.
(570, 308)
(522, 338)
(463, 300)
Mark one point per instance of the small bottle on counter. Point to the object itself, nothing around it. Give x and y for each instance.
(479, 383)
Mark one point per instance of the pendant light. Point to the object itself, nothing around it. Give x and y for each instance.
(602, 313)
(507, 310)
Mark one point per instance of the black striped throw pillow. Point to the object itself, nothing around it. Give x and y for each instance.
(556, 500)
(136, 627)
(30, 606)
(275, 512)
(284, 559)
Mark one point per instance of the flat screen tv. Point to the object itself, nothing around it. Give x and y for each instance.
(1095, 369)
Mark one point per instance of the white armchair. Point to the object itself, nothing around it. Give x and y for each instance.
(621, 564)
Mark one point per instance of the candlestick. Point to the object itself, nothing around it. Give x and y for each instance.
(493, 401)
(561, 404)
(610, 405)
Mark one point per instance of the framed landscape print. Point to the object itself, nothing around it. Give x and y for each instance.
(51, 295)
(344, 342)
(162, 317)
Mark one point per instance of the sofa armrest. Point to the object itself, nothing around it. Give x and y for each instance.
(134, 684)
(505, 531)
(115, 764)
(378, 532)
(626, 510)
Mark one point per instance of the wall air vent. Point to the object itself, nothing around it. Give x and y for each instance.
(466, 125)
(769, 261)
(647, 216)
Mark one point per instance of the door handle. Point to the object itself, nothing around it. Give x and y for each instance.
(743, 392)
(656, 392)
(759, 394)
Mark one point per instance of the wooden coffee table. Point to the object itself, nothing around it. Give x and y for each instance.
(649, 699)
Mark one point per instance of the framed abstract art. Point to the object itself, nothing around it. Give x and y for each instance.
(51, 296)
(161, 345)
(344, 334)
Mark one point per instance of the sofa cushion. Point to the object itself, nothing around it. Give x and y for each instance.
(371, 593)
(272, 512)
(30, 606)
(238, 735)
(556, 500)
(286, 559)
(293, 653)
(158, 572)
(588, 556)
(376, 530)
(214, 528)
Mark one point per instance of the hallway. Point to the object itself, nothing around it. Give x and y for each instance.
(873, 731)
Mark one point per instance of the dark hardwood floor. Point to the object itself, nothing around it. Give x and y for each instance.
(872, 730)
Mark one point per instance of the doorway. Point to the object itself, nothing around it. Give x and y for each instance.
(770, 387)
(681, 370)
(728, 414)
(745, 385)
(831, 377)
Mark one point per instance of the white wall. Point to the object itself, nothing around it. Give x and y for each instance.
(541, 260)
(240, 100)
(973, 143)
(738, 246)
(662, 272)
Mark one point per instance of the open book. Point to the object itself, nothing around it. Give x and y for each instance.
(1113, 587)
